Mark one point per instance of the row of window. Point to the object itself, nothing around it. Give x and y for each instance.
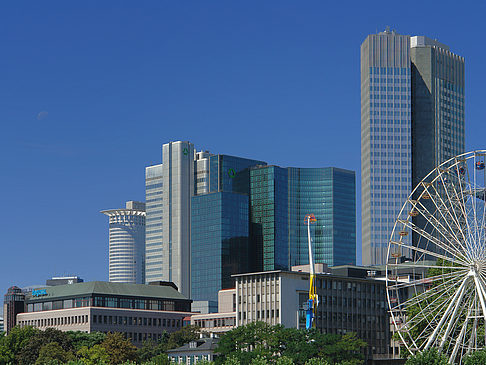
(57, 321)
(215, 322)
(137, 321)
(110, 302)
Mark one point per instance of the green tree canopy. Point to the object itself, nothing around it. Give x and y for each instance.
(11, 345)
(82, 339)
(428, 357)
(30, 352)
(52, 352)
(184, 335)
(93, 355)
(119, 349)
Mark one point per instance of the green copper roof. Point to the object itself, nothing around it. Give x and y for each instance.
(106, 288)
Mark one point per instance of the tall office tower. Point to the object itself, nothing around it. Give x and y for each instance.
(220, 245)
(13, 304)
(437, 105)
(269, 217)
(386, 156)
(127, 243)
(219, 242)
(330, 194)
(412, 119)
(169, 188)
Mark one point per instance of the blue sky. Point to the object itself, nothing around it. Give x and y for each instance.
(89, 91)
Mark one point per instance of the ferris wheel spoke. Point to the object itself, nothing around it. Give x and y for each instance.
(453, 317)
(426, 252)
(459, 339)
(453, 208)
(443, 207)
(458, 294)
(436, 303)
(462, 204)
(429, 280)
(445, 246)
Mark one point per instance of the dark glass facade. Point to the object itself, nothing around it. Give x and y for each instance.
(269, 217)
(219, 242)
(229, 173)
(329, 194)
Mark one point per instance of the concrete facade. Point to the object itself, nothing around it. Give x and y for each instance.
(346, 304)
(127, 243)
(137, 325)
(412, 119)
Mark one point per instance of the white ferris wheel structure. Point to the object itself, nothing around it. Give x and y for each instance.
(436, 261)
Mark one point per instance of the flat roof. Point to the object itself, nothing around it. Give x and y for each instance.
(106, 288)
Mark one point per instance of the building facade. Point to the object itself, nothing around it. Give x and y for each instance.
(222, 321)
(127, 243)
(330, 194)
(346, 304)
(170, 188)
(13, 303)
(219, 242)
(269, 217)
(386, 156)
(412, 119)
(138, 311)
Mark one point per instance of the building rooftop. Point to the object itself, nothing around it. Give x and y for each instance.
(106, 288)
(202, 344)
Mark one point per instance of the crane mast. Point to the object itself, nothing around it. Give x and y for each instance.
(313, 299)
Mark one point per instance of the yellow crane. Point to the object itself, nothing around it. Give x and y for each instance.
(313, 301)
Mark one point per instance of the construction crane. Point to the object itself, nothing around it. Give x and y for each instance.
(313, 301)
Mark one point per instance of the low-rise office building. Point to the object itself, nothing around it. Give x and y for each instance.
(222, 321)
(138, 311)
(353, 303)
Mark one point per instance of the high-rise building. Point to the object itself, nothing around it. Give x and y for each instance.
(127, 243)
(13, 304)
(269, 217)
(170, 187)
(437, 105)
(219, 243)
(330, 194)
(412, 119)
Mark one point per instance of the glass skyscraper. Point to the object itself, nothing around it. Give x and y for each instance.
(269, 217)
(219, 242)
(403, 139)
(170, 187)
(330, 194)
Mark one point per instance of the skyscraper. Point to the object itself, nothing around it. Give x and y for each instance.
(330, 194)
(402, 138)
(170, 187)
(127, 243)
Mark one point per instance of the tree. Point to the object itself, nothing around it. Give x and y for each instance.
(14, 342)
(80, 339)
(151, 349)
(181, 337)
(93, 355)
(52, 352)
(284, 360)
(259, 360)
(428, 357)
(255, 339)
(476, 358)
(119, 349)
(30, 352)
(316, 361)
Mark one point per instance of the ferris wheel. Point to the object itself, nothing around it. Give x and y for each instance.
(436, 261)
